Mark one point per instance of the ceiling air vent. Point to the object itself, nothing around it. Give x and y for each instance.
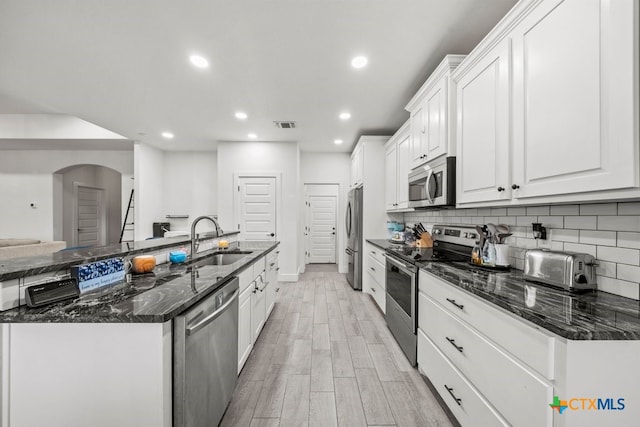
(285, 125)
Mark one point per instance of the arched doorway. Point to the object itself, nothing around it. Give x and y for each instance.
(87, 205)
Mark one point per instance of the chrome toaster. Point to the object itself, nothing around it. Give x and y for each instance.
(565, 270)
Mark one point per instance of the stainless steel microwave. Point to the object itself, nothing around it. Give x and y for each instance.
(433, 184)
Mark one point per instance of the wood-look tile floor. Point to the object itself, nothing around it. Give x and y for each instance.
(326, 358)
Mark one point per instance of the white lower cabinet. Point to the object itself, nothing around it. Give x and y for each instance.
(258, 307)
(465, 402)
(492, 367)
(257, 298)
(271, 287)
(504, 366)
(244, 327)
(374, 280)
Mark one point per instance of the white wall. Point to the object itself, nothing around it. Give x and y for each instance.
(326, 168)
(149, 189)
(273, 158)
(190, 186)
(27, 176)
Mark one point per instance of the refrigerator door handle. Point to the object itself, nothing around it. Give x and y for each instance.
(348, 220)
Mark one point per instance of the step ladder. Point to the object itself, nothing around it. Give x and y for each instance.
(127, 224)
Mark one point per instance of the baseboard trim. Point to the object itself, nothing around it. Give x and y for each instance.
(287, 277)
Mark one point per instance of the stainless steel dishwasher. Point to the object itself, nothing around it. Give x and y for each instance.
(205, 358)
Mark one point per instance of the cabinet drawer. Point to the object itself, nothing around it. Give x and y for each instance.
(259, 266)
(500, 378)
(471, 409)
(376, 253)
(378, 293)
(377, 271)
(527, 343)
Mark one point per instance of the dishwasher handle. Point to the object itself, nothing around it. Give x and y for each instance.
(213, 316)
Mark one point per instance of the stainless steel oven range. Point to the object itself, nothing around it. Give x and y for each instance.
(450, 243)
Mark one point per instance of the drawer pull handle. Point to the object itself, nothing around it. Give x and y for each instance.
(453, 343)
(450, 390)
(373, 289)
(373, 252)
(452, 301)
(372, 268)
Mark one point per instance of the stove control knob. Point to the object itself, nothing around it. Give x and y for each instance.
(471, 235)
(437, 231)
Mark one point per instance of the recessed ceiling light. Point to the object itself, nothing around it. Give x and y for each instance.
(241, 115)
(167, 135)
(252, 136)
(337, 141)
(199, 61)
(345, 116)
(359, 61)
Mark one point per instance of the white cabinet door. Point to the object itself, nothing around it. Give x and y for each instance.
(391, 177)
(403, 169)
(482, 91)
(435, 142)
(573, 108)
(272, 284)
(258, 307)
(418, 136)
(245, 343)
(357, 160)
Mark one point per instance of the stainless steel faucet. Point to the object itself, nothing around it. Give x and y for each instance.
(194, 238)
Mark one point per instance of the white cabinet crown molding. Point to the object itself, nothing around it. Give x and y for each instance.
(448, 64)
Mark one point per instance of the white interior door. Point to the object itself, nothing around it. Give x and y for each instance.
(321, 229)
(90, 216)
(256, 208)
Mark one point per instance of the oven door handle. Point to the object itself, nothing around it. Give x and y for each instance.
(392, 260)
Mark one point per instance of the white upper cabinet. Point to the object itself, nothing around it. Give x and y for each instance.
(396, 170)
(483, 128)
(431, 134)
(548, 106)
(357, 166)
(573, 101)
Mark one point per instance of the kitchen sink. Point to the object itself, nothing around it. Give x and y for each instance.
(225, 258)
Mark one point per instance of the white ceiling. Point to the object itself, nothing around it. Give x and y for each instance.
(123, 64)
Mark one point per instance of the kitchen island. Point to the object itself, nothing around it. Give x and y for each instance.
(106, 357)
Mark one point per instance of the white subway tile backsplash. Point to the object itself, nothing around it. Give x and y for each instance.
(581, 248)
(526, 220)
(619, 287)
(516, 211)
(630, 273)
(537, 210)
(552, 221)
(619, 223)
(628, 240)
(565, 210)
(565, 235)
(605, 238)
(606, 268)
(599, 209)
(581, 222)
(508, 220)
(608, 231)
(629, 208)
(619, 255)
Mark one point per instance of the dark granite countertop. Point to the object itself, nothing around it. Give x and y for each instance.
(148, 298)
(381, 243)
(587, 316)
(30, 266)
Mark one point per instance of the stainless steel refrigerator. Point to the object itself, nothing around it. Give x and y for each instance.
(353, 222)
